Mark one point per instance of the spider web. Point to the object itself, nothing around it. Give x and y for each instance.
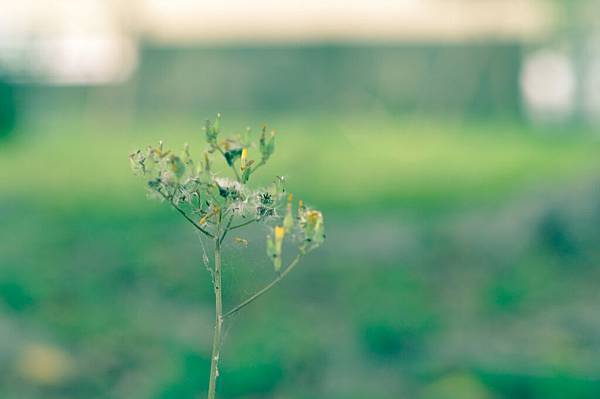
(245, 269)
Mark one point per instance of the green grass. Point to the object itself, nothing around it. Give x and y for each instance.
(343, 163)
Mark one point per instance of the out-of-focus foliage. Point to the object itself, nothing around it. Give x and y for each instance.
(8, 108)
(463, 243)
(471, 271)
(435, 79)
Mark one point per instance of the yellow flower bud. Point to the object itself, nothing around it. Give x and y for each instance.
(279, 233)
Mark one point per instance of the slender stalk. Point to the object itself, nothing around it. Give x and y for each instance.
(246, 223)
(266, 288)
(228, 229)
(216, 347)
(258, 165)
(181, 211)
(196, 225)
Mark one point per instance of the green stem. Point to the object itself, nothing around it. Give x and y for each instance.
(182, 212)
(258, 165)
(266, 288)
(229, 227)
(216, 347)
(246, 223)
(226, 229)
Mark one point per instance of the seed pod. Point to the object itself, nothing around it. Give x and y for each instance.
(217, 124)
(211, 132)
(314, 229)
(275, 245)
(267, 144)
(288, 220)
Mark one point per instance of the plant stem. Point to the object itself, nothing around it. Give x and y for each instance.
(216, 347)
(246, 223)
(196, 225)
(226, 229)
(266, 288)
(258, 165)
(182, 212)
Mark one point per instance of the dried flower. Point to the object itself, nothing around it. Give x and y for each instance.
(216, 204)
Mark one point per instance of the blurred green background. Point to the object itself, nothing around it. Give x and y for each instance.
(458, 172)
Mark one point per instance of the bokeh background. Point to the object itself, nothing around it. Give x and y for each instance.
(452, 145)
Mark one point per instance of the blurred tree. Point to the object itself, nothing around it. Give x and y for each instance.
(8, 108)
